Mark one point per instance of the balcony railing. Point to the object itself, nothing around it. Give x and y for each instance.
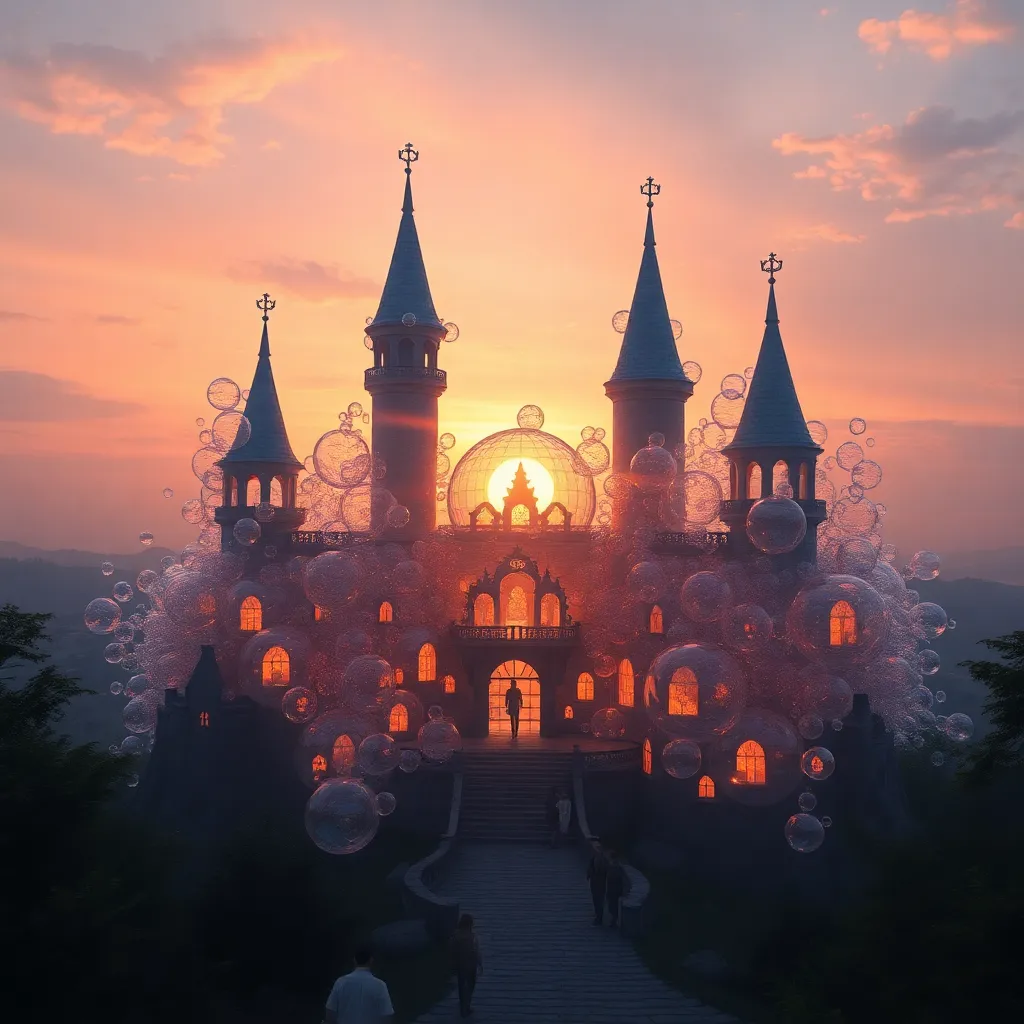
(415, 372)
(532, 634)
(323, 539)
(698, 541)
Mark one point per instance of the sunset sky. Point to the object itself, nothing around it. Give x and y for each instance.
(163, 164)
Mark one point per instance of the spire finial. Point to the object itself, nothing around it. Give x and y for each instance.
(266, 304)
(650, 189)
(408, 156)
(770, 266)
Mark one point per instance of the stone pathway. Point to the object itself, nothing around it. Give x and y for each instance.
(545, 962)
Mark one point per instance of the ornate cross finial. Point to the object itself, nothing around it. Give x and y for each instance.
(266, 304)
(650, 189)
(408, 156)
(771, 266)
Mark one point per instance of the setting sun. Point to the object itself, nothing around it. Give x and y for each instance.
(538, 476)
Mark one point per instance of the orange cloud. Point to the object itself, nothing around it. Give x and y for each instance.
(826, 233)
(307, 279)
(934, 164)
(171, 106)
(1016, 221)
(937, 35)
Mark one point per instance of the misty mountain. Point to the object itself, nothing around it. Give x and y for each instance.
(1003, 565)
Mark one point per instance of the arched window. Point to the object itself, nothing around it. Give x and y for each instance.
(204, 719)
(753, 483)
(321, 614)
(657, 623)
(483, 610)
(585, 686)
(517, 613)
(252, 491)
(520, 515)
(550, 610)
(427, 664)
(250, 615)
(803, 492)
(276, 492)
(234, 492)
(517, 599)
(683, 693)
(276, 667)
(319, 767)
(706, 788)
(399, 674)
(343, 755)
(648, 757)
(568, 713)
(842, 622)
(448, 684)
(387, 613)
(626, 683)
(780, 480)
(398, 720)
(750, 764)
(817, 765)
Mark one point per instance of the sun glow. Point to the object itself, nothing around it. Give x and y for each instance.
(540, 480)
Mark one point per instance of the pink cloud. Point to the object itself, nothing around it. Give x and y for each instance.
(1016, 221)
(306, 279)
(826, 233)
(171, 106)
(934, 164)
(938, 35)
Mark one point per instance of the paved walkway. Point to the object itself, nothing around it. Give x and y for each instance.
(545, 962)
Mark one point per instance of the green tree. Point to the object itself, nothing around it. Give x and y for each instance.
(1003, 747)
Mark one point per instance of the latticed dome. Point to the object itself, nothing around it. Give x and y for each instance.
(553, 470)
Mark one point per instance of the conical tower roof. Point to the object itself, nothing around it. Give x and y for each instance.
(772, 416)
(268, 439)
(648, 349)
(406, 289)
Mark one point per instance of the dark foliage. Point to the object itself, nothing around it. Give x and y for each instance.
(1003, 747)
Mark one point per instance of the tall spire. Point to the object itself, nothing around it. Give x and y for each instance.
(648, 349)
(406, 289)
(772, 415)
(268, 439)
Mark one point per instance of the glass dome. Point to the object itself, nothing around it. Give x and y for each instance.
(552, 468)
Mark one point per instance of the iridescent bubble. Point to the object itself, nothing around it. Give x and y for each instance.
(116, 688)
(368, 342)
(397, 516)
(681, 758)
(264, 512)
(620, 321)
(646, 581)
(849, 454)
(378, 754)
(705, 596)
(866, 474)
(776, 525)
(747, 627)
(810, 726)
(928, 620)
(247, 532)
(818, 431)
(331, 579)
(959, 727)
(727, 411)
(817, 763)
(200, 422)
(409, 760)
(807, 801)
(452, 333)
(342, 816)
(447, 442)
(940, 696)
(223, 393)
(168, 492)
(230, 430)
(604, 666)
(608, 724)
(139, 715)
(299, 704)
(192, 511)
(693, 371)
(928, 661)
(734, 385)
(925, 565)
(435, 713)
(102, 615)
(653, 469)
(804, 833)
(107, 568)
(439, 740)
(856, 556)
(145, 538)
(677, 329)
(122, 592)
(342, 459)
(530, 417)
(594, 455)
(386, 802)
(857, 425)
(702, 497)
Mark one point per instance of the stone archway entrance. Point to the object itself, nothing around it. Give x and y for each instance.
(529, 682)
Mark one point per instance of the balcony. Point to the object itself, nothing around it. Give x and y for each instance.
(517, 634)
(315, 541)
(380, 373)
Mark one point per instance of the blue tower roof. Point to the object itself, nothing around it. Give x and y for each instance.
(268, 440)
(406, 289)
(772, 416)
(648, 349)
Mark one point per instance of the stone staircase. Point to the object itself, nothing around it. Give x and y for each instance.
(505, 793)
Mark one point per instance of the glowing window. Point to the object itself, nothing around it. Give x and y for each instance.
(276, 492)
(343, 755)
(626, 683)
(427, 664)
(803, 480)
(842, 623)
(399, 674)
(585, 686)
(250, 616)
(204, 719)
(321, 614)
(753, 484)
(657, 624)
(550, 610)
(319, 767)
(525, 675)
(648, 758)
(398, 720)
(252, 491)
(520, 515)
(568, 713)
(683, 692)
(483, 610)
(706, 788)
(448, 684)
(516, 614)
(302, 705)
(276, 667)
(387, 613)
(780, 480)
(750, 764)
(817, 765)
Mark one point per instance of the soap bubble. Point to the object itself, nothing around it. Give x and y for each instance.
(681, 758)
(230, 430)
(857, 425)
(959, 727)
(818, 431)
(653, 468)
(604, 666)
(594, 455)
(849, 454)
(435, 713)
(807, 801)
(102, 615)
(146, 580)
(409, 760)
(727, 411)
(116, 688)
(928, 662)
(940, 696)
(138, 684)
(342, 459)
(331, 579)
(776, 525)
(299, 704)
(734, 385)
(223, 393)
(747, 627)
(608, 724)
(247, 531)
(705, 596)
(938, 758)
(804, 833)
(378, 754)
(146, 538)
(367, 683)
(133, 781)
(342, 816)
(386, 803)
(866, 474)
(408, 576)
(811, 726)
(264, 512)
(122, 592)
(702, 497)
(139, 715)
(817, 763)
(131, 745)
(758, 760)
(397, 516)
(821, 613)
(925, 565)
(107, 568)
(646, 581)
(620, 321)
(530, 417)
(928, 620)
(439, 740)
(856, 556)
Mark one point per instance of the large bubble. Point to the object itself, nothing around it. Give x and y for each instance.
(368, 684)
(747, 627)
(331, 579)
(608, 724)
(299, 704)
(102, 615)
(681, 758)
(530, 417)
(342, 458)
(838, 619)
(378, 754)
(439, 740)
(758, 761)
(342, 816)
(817, 763)
(804, 833)
(653, 468)
(701, 496)
(705, 596)
(776, 525)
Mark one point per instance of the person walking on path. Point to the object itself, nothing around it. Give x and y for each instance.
(359, 997)
(564, 806)
(614, 885)
(467, 962)
(597, 876)
(513, 703)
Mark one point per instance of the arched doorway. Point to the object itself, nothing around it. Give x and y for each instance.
(529, 716)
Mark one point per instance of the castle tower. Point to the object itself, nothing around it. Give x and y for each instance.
(772, 447)
(404, 381)
(261, 468)
(648, 388)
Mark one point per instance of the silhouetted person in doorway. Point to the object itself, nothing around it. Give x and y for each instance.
(359, 997)
(513, 704)
(466, 962)
(597, 876)
(614, 886)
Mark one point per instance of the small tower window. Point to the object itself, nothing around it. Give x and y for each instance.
(427, 664)
(626, 683)
(648, 757)
(657, 624)
(319, 767)
(276, 493)
(250, 616)
(448, 684)
(344, 753)
(550, 610)
(387, 612)
(803, 492)
(842, 623)
(399, 675)
(398, 720)
(706, 788)
(749, 764)
(568, 713)
(585, 686)
(276, 667)
(753, 484)
(683, 693)
(252, 491)
(204, 719)
(483, 610)
(781, 486)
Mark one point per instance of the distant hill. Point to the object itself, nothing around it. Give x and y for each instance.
(1002, 565)
(144, 558)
